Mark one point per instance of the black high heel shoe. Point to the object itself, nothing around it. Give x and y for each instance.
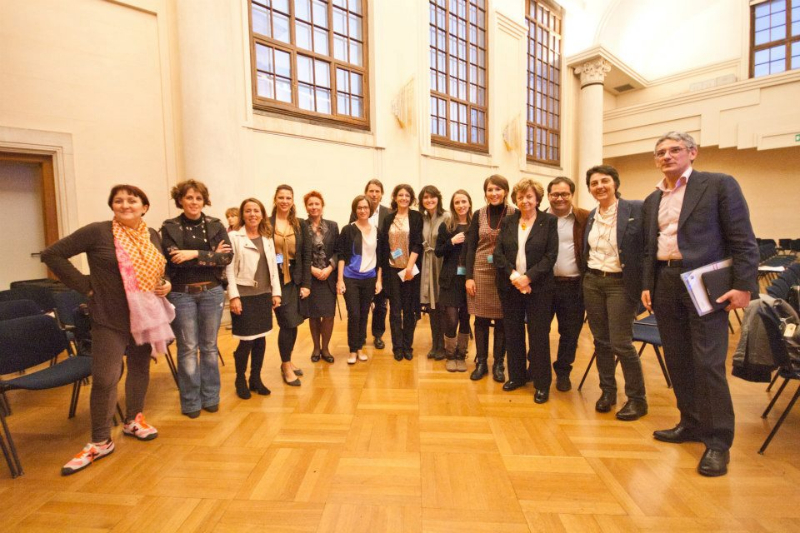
(295, 383)
(257, 386)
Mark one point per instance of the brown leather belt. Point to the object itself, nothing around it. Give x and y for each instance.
(567, 279)
(604, 274)
(672, 263)
(195, 288)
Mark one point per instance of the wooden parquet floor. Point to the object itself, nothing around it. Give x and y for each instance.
(384, 446)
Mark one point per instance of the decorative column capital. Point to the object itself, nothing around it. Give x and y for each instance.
(593, 72)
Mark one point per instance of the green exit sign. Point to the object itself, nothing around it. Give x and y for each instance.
(797, 138)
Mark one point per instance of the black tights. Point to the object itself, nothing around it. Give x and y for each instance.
(286, 340)
(456, 319)
(255, 348)
(482, 339)
(321, 331)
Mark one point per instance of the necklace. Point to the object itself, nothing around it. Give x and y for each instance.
(525, 223)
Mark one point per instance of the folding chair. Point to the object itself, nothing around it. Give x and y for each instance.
(24, 344)
(18, 308)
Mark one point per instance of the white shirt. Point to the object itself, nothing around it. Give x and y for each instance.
(373, 219)
(603, 249)
(566, 265)
(522, 237)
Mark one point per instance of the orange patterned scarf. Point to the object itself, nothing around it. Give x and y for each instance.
(148, 263)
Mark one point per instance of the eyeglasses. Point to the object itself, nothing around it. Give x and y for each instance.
(675, 150)
(557, 195)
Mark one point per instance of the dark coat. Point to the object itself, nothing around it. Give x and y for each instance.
(714, 224)
(541, 251)
(630, 244)
(415, 223)
(329, 243)
(452, 254)
(301, 270)
(172, 239)
(350, 242)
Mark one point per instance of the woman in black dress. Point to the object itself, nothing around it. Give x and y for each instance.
(322, 301)
(452, 281)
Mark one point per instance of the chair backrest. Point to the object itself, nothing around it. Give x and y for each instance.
(789, 276)
(29, 341)
(795, 267)
(796, 245)
(785, 243)
(66, 304)
(18, 308)
(41, 295)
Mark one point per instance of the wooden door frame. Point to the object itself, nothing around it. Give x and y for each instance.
(48, 183)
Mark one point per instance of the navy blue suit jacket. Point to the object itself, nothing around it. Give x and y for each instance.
(630, 244)
(714, 224)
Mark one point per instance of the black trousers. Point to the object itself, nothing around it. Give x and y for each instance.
(569, 310)
(695, 349)
(379, 314)
(536, 307)
(402, 310)
(358, 295)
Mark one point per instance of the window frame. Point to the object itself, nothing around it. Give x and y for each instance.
(786, 42)
(445, 141)
(557, 11)
(292, 110)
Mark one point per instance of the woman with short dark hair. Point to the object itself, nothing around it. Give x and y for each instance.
(199, 249)
(126, 286)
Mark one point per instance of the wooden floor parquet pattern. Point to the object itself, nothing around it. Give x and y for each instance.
(403, 447)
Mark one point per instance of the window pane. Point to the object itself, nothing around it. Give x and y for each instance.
(762, 56)
(355, 27)
(282, 66)
(281, 5)
(355, 53)
(777, 33)
(355, 83)
(343, 104)
(324, 101)
(302, 10)
(281, 25)
(339, 21)
(777, 66)
(320, 13)
(778, 52)
(302, 32)
(264, 58)
(266, 86)
(342, 80)
(322, 73)
(355, 6)
(305, 95)
(340, 48)
(321, 41)
(357, 107)
(260, 20)
(304, 69)
(283, 90)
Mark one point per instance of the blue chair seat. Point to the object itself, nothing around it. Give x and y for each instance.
(68, 371)
(646, 333)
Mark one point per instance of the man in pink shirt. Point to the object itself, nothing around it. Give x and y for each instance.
(692, 219)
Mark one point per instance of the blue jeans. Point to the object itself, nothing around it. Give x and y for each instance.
(196, 324)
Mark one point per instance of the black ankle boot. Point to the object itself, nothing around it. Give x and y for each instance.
(481, 369)
(257, 386)
(241, 387)
(498, 371)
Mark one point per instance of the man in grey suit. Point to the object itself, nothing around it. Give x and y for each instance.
(692, 219)
(374, 193)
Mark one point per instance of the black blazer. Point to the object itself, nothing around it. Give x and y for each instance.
(301, 271)
(172, 239)
(329, 244)
(414, 240)
(350, 243)
(541, 251)
(382, 212)
(630, 244)
(452, 254)
(714, 224)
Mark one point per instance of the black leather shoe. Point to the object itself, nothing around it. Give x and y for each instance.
(440, 355)
(714, 463)
(605, 402)
(541, 396)
(676, 435)
(315, 357)
(295, 383)
(192, 414)
(328, 358)
(432, 353)
(408, 354)
(632, 410)
(398, 355)
(378, 343)
(481, 369)
(241, 388)
(499, 371)
(211, 408)
(563, 384)
(512, 385)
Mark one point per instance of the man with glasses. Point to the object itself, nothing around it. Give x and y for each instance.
(568, 300)
(692, 219)
(374, 193)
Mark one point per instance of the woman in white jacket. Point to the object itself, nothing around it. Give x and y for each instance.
(255, 290)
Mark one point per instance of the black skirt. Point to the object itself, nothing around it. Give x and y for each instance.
(455, 295)
(256, 318)
(322, 301)
(293, 311)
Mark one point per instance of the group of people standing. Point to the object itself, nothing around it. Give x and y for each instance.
(512, 267)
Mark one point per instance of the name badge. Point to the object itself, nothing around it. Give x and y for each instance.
(396, 254)
(461, 271)
(279, 258)
(490, 259)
